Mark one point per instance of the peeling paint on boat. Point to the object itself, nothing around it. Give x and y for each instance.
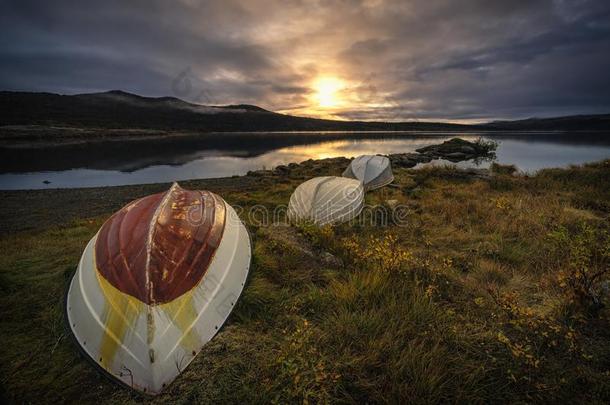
(144, 319)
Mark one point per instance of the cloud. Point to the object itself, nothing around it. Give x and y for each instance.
(399, 60)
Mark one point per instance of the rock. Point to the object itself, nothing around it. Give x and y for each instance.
(450, 146)
(455, 156)
(397, 212)
(456, 150)
(405, 163)
(258, 173)
(335, 160)
(293, 165)
(282, 169)
(391, 204)
(288, 236)
(330, 260)
(419, 158)
(404, 159)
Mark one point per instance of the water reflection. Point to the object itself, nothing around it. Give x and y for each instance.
(234, 154)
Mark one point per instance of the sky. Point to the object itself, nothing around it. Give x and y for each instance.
(448, 60)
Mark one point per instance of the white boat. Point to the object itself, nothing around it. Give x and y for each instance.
(156, 283)
(326, 200)
(373, 171)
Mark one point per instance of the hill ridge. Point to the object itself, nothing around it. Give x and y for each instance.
(119, 109)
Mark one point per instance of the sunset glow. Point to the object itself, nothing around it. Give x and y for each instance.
(368, 60)
(328, 92)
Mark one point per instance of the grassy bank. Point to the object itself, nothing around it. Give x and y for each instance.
(487, 292)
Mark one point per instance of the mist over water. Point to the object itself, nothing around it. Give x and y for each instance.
(221, 155)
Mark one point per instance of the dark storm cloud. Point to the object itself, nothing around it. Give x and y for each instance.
(476, 59)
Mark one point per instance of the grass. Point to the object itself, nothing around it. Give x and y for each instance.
(475, 299)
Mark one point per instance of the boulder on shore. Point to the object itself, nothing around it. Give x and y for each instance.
(408, 159)
(457, 148)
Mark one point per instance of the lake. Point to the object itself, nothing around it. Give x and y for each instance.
(113, 163)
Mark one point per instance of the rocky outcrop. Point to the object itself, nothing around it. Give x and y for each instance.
(454, 150)
(457, 149)
(288, 237)
(408, 159)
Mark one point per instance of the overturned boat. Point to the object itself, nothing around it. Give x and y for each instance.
(326, 200)
(373, 171)
(155, 284)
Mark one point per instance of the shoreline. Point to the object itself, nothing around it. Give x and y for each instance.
(454, 150)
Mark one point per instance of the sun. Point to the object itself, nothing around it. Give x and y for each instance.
(327, 91)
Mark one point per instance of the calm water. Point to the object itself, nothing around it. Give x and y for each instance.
(220, 155)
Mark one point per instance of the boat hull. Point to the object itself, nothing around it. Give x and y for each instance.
(372, 170)
(147, 346)
(326, 200)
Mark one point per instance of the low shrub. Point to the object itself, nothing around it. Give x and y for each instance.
(584, 255)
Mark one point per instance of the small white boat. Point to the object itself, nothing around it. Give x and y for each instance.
(326, 200)
(156, 283)
(372, 170)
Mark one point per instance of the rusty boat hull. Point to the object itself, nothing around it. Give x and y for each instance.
(144, 302)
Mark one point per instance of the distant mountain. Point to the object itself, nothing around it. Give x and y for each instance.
(244, 107)
(599, 122)
(117, 109)
(121, 110)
